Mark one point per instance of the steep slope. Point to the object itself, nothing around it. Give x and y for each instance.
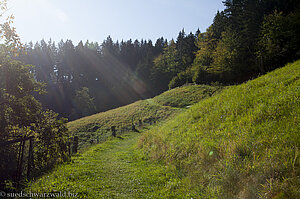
(241, 143)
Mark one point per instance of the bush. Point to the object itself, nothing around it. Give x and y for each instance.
(181, 78)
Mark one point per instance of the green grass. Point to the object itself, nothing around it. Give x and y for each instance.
(241, 143)
(97, 127)
(114, 169)
(186, 95)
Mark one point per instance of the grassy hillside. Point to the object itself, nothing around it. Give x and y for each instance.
(241, 143)
(186, 95)
(98, 127)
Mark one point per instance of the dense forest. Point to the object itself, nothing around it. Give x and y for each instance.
(90, 78)
(247, 39)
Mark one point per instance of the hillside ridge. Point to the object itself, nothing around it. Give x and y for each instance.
(141, 113)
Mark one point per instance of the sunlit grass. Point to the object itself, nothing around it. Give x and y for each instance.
(241, 143)
(186, 95)
(114, 169)
(98, 126)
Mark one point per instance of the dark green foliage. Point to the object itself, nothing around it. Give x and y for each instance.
(84, 102)
(201, 76)
(19, 110)
(246, 38)
(181, 78)
(279, 40)
(51, 138)
(18, 106)
(186, 47)
(176, 57)
(168, 64)
(22, 116)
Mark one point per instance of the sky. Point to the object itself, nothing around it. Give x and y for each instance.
(94, 20)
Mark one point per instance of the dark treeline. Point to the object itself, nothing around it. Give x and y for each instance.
(248, 38)
(89, 77)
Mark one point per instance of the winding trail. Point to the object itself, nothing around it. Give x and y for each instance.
(114, 169)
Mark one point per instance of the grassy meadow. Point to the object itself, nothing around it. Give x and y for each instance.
(238, 142)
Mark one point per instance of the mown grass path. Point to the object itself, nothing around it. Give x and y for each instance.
(114, 169)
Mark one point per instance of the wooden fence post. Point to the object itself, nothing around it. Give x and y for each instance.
(20, 162)
(75, 145)
(133, 127)
(30, 158)
(69, 147)
(113, 130)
